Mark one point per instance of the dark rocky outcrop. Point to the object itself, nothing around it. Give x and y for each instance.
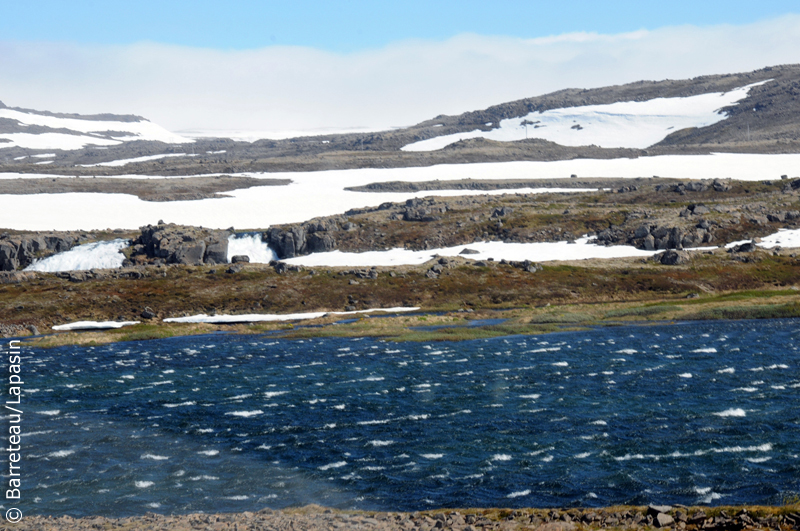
(673, 257)
(20, 251)
(177, 244)
(297, 240)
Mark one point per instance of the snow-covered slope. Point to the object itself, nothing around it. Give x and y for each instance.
(627, 124)
(34, 130)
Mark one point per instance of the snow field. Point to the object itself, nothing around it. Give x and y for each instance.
(628, 124)
(314, 194)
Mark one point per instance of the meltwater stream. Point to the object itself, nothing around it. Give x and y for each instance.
(699, 413)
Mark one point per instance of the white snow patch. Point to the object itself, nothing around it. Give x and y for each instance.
(95, 255)
(123, 162)
(52, 140)
(537, 251)
(782, 238)
(139, 130)
(315, 194)
(258, 317)
(628, 124)
(94, 325)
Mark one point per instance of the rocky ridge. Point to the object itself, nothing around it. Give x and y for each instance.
(18, 251)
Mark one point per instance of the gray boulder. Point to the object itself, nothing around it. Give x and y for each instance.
(673, 258)
(8, 256)
(190, 253)
(240, 258)
(642, 231)
(217, 252)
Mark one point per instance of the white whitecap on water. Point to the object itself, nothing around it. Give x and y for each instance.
(733, 412)
(50, 412)
(154, 457)
(245, 414)
(337, 464)
(685, 375)
(143, 484)
(61, 453)
(190, 403)
(252, 246)
(583, 455)
(208, 452)
(706, 350)
(501, 457)
(95, 255)
(758, 459)
(727, 370)
(626, 124)
(271, 394)
(517, 494)
(380, 443)
(432, 456)
(627, 351)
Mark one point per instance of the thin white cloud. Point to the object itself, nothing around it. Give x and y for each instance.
(293, 88)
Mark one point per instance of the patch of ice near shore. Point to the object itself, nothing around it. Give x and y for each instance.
(261, 317)
(94, 325)
(315, 194)
(536, 252)
(252, 246)
(626, 124)
(95, 255)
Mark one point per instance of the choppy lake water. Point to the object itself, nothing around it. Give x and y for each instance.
(698, 413)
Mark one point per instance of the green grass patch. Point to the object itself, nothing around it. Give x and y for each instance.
(642, 311)
(145, 332)
(764, 311)
(565, 317)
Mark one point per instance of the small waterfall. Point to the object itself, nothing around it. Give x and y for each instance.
(95, 255)
(250, 244)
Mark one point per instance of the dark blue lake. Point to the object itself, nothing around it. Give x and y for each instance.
(698, 413)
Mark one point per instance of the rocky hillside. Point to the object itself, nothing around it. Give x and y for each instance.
(765, 121)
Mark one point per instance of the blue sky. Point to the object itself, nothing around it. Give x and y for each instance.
(302, 65)
(347, 26)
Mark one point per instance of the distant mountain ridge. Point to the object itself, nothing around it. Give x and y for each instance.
(766, 120)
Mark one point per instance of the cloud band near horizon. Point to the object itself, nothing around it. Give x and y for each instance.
(294, 88)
